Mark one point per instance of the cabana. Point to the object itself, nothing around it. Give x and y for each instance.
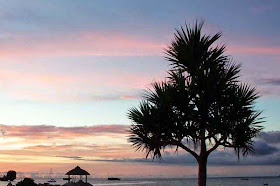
(77, 171)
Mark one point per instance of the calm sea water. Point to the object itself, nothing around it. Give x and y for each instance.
(257, 181)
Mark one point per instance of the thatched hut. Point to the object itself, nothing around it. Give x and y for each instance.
(77, 171)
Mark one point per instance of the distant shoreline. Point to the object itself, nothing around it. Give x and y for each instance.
(161, 178)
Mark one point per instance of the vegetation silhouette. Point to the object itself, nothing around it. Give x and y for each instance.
(200, 106)
(26, 182)
(11, 176)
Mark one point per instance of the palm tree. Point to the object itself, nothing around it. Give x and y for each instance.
(200, 106)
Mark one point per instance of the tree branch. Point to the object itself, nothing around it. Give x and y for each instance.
(188, 150)
(213, 148)
(217, 144)
(179, 144)
(227, 144)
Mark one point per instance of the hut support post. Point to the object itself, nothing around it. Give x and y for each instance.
(86, 178)
(68, 178)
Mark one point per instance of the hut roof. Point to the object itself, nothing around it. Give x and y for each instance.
(77, 171)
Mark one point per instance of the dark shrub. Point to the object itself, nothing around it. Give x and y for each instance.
(11, 175)
(27, 182)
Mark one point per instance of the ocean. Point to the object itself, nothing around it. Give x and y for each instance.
(255, 181)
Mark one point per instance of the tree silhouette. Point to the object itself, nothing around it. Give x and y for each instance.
(11, 175)
(201, 105)
(27, 182)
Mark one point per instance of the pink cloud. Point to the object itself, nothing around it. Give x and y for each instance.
(90, 43)
(126, 97)
(253, 50)
(35, 86)
(48, 131)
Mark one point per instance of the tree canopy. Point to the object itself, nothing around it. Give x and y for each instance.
(202, 101)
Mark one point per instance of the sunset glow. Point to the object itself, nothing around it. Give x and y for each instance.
(70, 70)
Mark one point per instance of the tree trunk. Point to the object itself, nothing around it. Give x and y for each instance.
(202, 161)
(202, 171)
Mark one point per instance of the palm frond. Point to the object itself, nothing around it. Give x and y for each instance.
(202, 98)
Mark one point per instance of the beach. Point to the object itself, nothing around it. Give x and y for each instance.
(255, 181)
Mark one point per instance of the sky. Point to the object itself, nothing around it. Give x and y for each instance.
(70, 70)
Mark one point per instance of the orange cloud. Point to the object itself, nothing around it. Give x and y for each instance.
(46, 144)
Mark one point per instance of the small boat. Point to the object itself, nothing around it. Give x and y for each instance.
(51, 180)
(114, 179)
